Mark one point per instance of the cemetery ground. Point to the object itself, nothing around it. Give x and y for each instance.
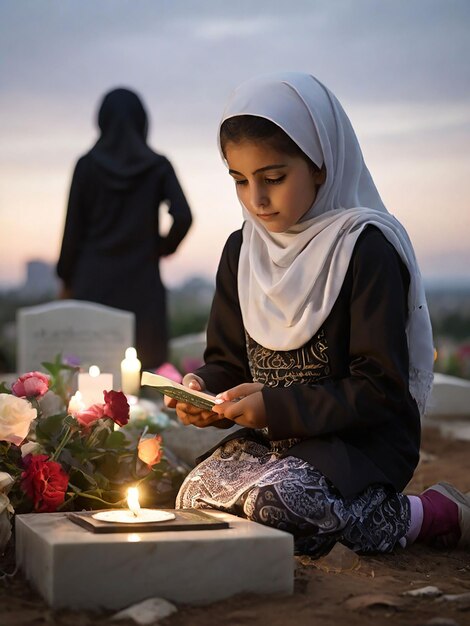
(339, 589)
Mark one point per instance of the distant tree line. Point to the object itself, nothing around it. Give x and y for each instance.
(452, 325)
(189, 307)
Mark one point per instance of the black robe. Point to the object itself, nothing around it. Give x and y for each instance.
(357, 422)
(112, 244)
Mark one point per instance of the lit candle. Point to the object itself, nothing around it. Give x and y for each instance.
(92, 385)
(134, 514)
(130, 373)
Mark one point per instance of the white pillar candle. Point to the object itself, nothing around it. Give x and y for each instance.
(92, 385)
(130, 373)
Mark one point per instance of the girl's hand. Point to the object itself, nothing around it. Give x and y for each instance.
(244, 405)
(188, 413)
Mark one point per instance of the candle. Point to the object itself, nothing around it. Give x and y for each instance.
(130, 373)
(134, 514)
(92, 385)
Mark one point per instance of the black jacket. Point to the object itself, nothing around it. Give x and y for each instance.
(358, 424)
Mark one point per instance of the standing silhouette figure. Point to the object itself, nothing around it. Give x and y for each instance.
(112, 244)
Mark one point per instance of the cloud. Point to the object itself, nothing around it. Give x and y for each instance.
(225, 29)
(408, 119)
(400, 69)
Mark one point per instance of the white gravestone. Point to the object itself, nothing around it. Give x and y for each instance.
(450, 397)
(74, 568)
(92, 333)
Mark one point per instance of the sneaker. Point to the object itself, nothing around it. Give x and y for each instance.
(457, 534)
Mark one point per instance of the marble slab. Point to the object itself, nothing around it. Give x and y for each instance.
(74, 568)
(93, 333)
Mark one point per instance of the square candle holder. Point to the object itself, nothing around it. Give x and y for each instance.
(79, 568)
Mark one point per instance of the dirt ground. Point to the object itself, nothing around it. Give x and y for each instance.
(339, 589)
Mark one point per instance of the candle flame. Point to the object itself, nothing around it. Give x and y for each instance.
(76, 404)
(94, 371)
(133, 500)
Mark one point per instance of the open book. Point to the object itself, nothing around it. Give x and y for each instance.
(168, 387)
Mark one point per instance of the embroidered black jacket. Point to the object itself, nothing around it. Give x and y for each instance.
(343, 396)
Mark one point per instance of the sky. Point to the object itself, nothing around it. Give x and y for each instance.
(399, 67)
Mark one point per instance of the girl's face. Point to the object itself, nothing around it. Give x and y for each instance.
(275, 187)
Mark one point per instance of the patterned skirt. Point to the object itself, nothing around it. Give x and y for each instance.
(250, 479)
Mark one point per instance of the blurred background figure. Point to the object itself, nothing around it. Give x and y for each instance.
(112, 244)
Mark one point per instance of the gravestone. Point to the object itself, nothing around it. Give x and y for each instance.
(77, 569)
(187, 351)
(450, 397)
(92, 333)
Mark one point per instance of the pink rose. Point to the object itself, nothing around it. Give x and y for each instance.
(89, 415)
(150, 450)
(170, 371)
(31, 385)
(116, 407)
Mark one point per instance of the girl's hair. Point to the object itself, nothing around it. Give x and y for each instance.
(253, 128)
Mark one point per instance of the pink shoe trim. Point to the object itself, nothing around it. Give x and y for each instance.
(463, 504)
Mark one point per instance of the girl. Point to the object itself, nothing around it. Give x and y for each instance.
(319, 341)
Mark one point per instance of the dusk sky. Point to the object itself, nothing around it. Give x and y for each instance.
(401, 69)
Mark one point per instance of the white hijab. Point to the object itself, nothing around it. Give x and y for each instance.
(288, 282)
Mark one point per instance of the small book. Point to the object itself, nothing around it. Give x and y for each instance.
(168, 387)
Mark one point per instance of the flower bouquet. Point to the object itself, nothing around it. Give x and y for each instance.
(56, 454)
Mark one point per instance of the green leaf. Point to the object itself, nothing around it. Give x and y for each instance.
(4, 388)
(69, 420)
(50, 428)
(61, 377)
(116, 440)
(72, 459)
(80, 480)
(57, 366)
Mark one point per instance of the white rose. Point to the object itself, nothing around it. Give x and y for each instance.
(32, 447)
(5, 524)
(16, 415)
(6, 481)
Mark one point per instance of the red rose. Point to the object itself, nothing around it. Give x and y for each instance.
(31, 385)
(116, 407)
(45, 482)
(150, 450)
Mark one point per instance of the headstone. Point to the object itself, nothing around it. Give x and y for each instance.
(450, 397)
(74, 568)
(92, 333)
(187, 351)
